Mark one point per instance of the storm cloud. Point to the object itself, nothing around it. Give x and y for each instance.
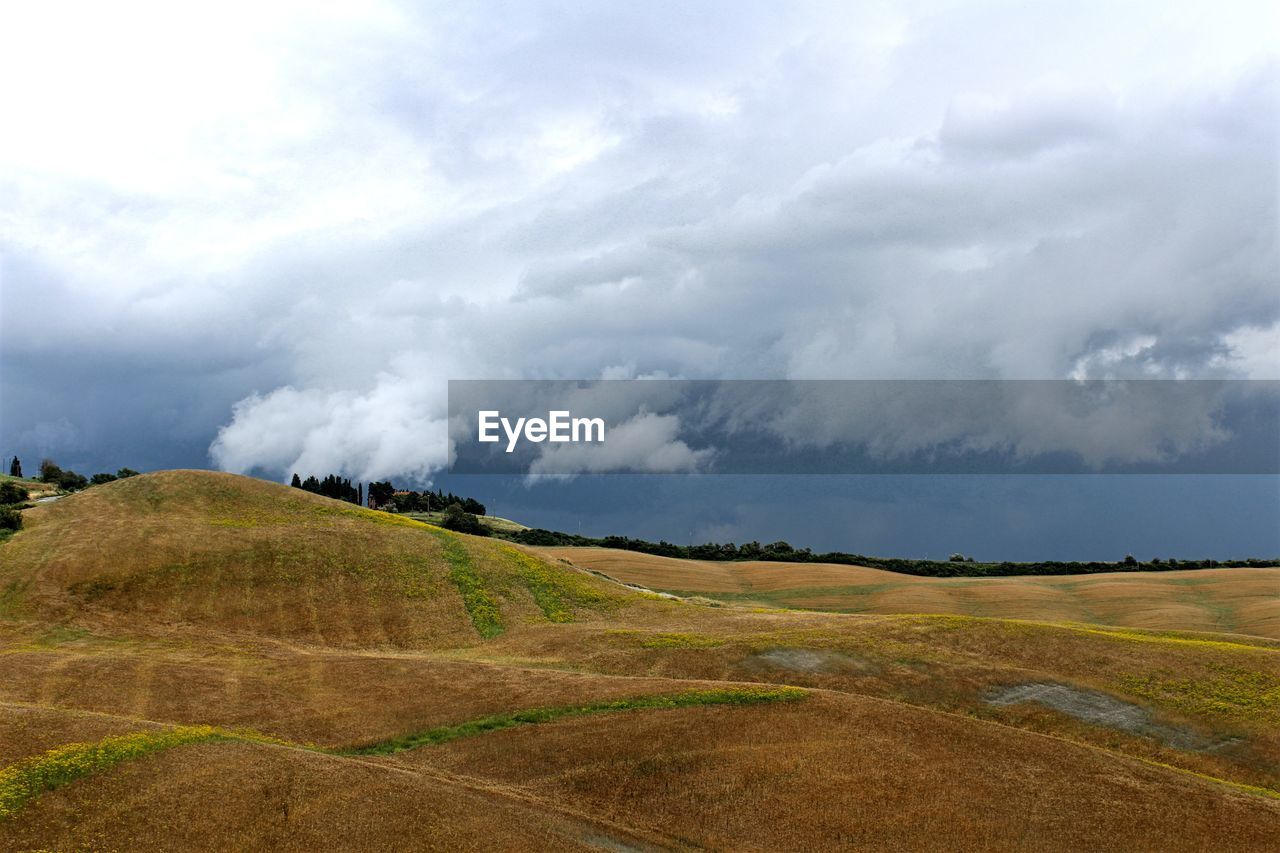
(267, 238)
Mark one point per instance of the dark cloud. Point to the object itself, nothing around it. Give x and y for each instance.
(309, 220)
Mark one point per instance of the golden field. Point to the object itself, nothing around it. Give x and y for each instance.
(197, 660)
(1241, 601)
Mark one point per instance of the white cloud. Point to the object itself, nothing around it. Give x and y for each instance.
(343, 206)
(389, 430)
(646, 443)
(1253, 351)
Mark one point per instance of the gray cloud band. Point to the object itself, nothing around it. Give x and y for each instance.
(569, 428)
(766, 190)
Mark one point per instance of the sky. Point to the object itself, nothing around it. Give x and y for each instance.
(262, 236)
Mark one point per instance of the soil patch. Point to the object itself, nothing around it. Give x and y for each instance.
(806, 660)
(1100, 709)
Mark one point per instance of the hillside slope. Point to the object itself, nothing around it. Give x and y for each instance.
(196, 549)
(191, 659)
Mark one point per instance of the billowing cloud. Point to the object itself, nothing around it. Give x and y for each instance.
(288, 228)
(647, 443)
(391, 430)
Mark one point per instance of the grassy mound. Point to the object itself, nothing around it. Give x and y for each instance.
(218, 551)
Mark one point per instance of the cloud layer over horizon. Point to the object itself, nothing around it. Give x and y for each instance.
(271, 235)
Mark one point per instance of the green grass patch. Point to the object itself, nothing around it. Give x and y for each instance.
(1175, 638)
(476, 597)
(1136, 635)
(57, 635)
(28, 779)
(25, 481)
(556, 591)
(1232, 692)
(376, 516)
(686, 699)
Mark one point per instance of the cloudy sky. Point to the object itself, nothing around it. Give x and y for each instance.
(262, 236)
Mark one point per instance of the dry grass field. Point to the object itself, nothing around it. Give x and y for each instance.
(1240, 601)
(192, 660)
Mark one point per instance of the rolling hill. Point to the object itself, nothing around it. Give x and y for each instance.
(200, 550)
(1242, 601)
(200, 660)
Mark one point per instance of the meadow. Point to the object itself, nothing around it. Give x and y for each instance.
(191, 660)
(1235, 600)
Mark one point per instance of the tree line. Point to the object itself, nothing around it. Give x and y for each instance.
(13, 496)
(385, 496)
(66, 479)
(332, 486)
(956, 566)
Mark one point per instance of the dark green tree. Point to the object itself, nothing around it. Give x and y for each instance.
(457, 519)
(49, 471)
(380, 493)
(296, 482)
(332, 486)
(70, 481)
(15, 467)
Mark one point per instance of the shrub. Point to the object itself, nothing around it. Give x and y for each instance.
(49, 471)
(459, 520)
(70, 481)
(10, 518)
(12, 493)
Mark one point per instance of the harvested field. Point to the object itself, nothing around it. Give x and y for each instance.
(1239, 601)
(193, 660)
